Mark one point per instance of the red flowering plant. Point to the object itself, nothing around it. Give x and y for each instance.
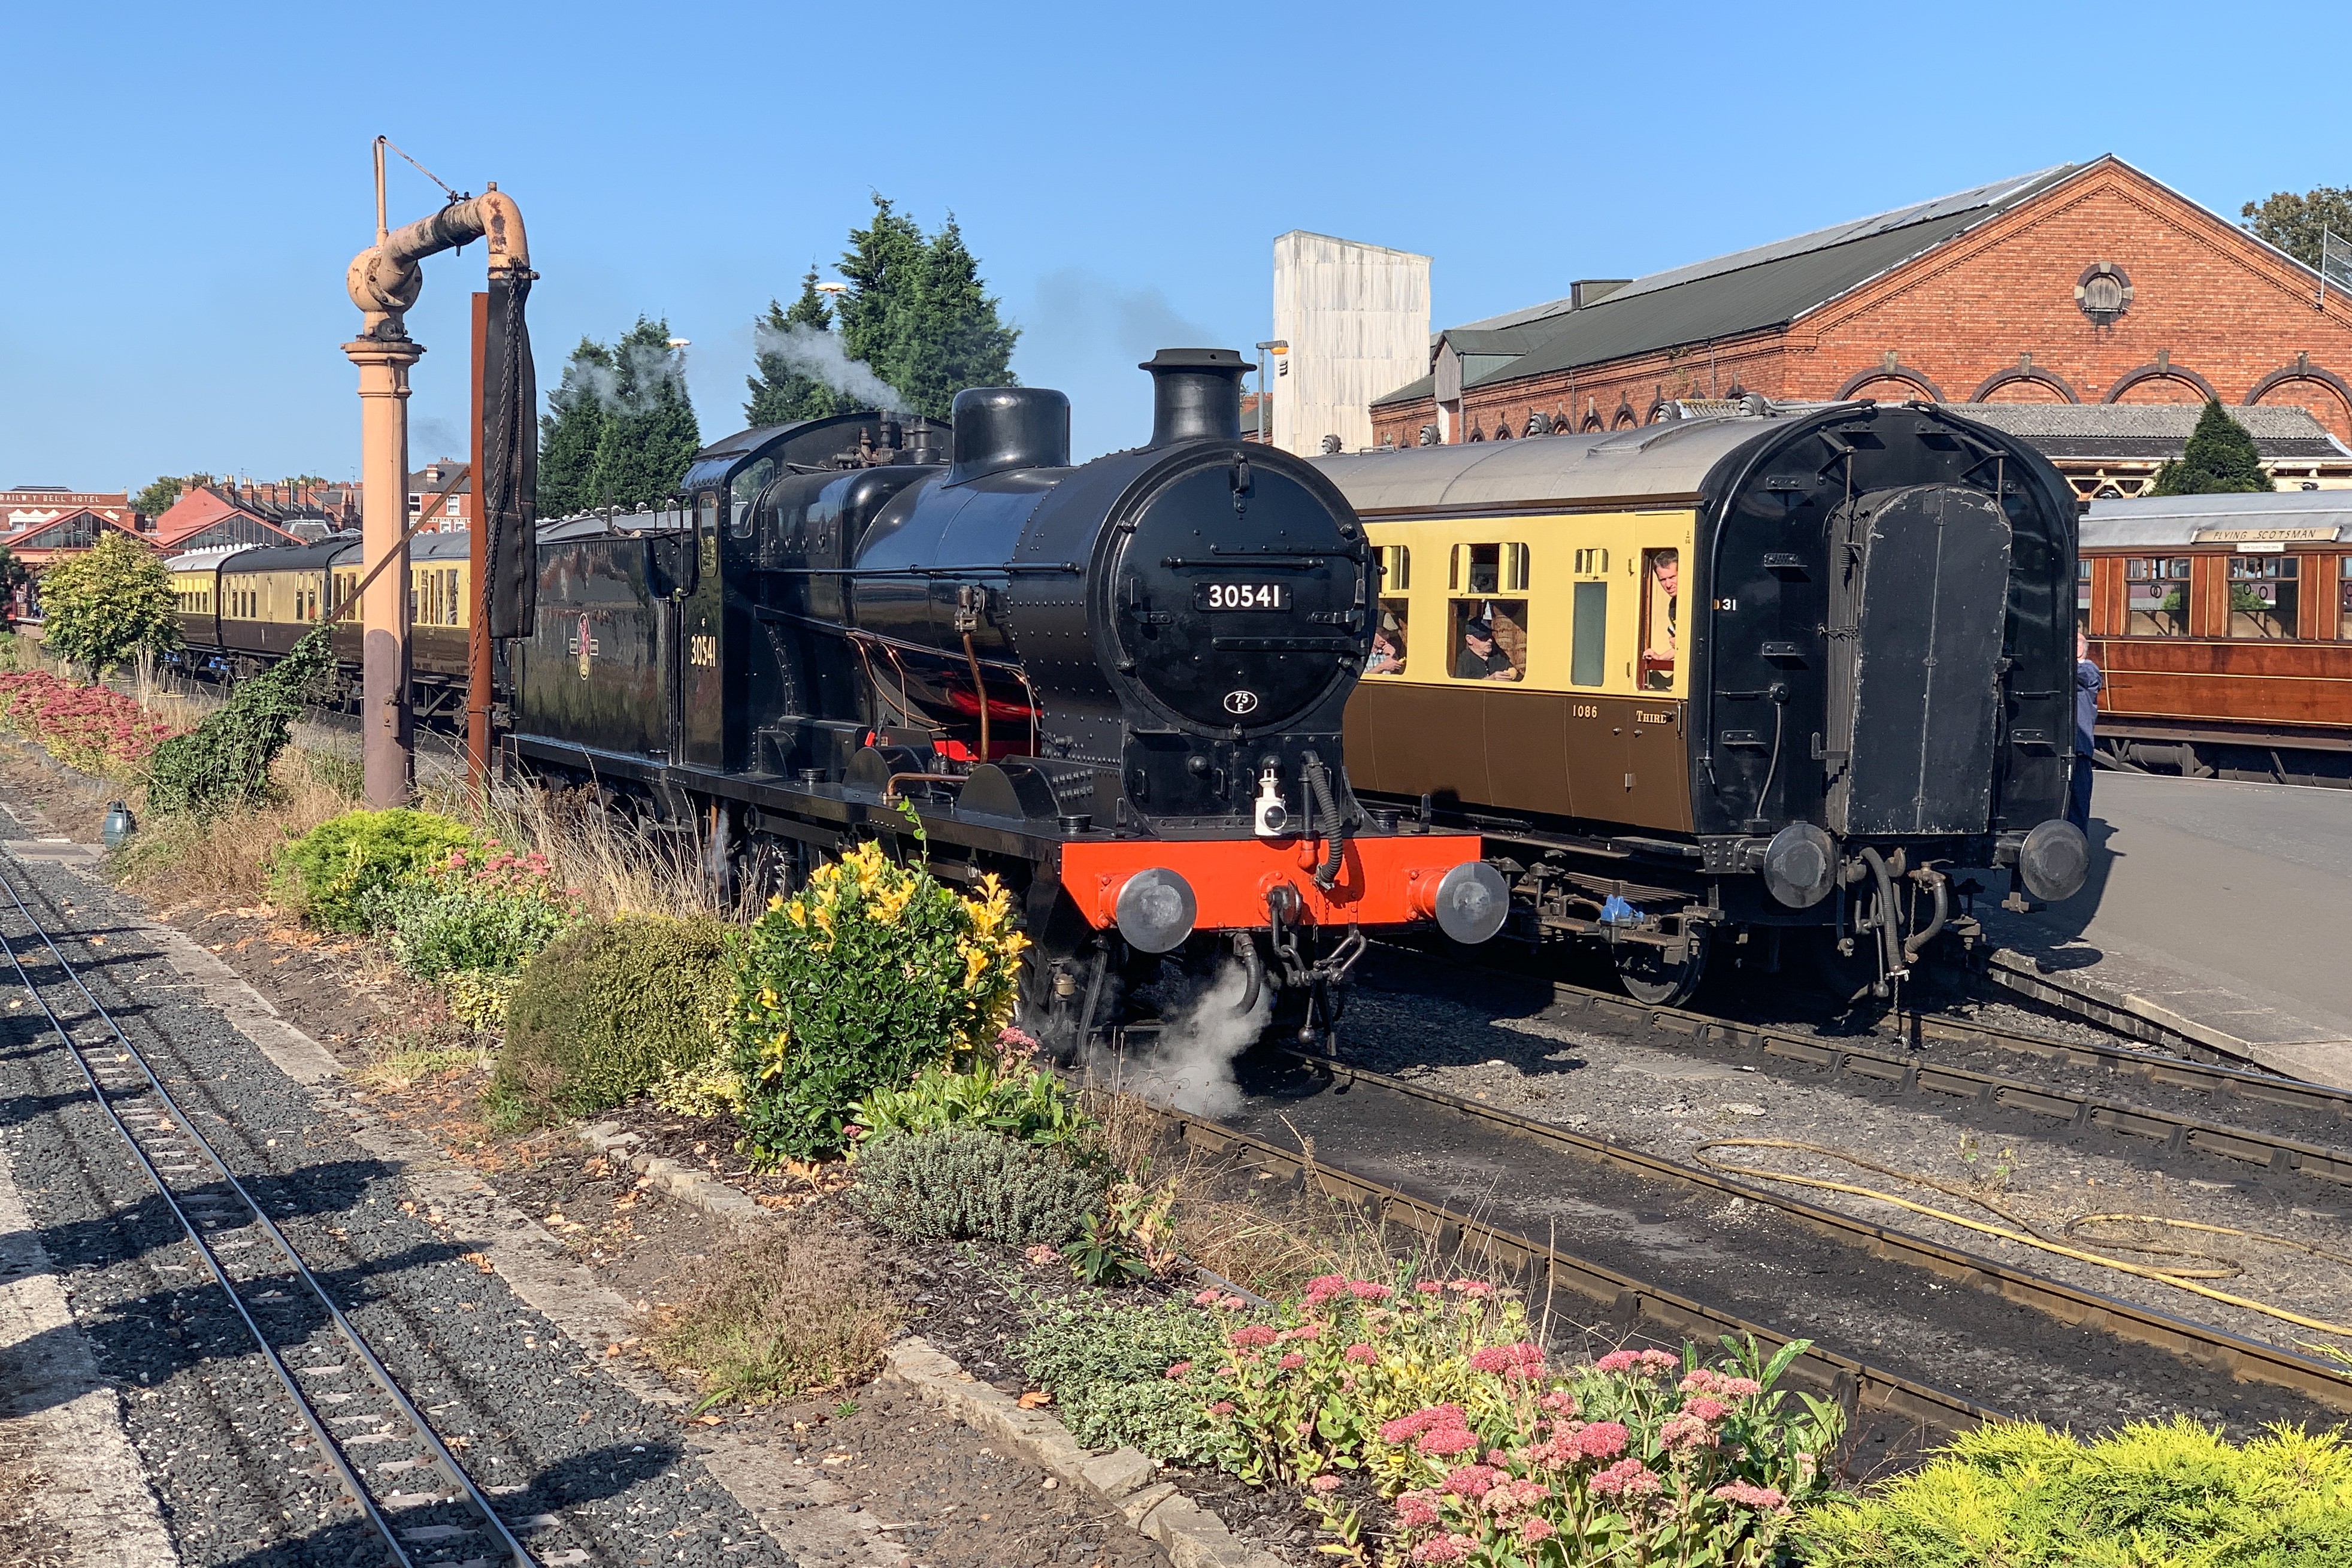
(1435, 1393)
(1639, 1458)
(91, 728)
(1305, 1389)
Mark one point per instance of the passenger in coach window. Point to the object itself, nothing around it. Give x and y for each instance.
(1388, 652)
(1481, 659)
(2087, 681)
(1659, 615)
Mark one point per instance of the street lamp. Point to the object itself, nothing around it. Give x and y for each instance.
(1273, 346)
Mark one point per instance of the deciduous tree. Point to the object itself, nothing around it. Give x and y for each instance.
(156, 498)
(2293, 223)
(108, 602)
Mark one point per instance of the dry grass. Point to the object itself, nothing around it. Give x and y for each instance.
(795, 1312)
(223, 861)
(28, 1539)
(619, 866)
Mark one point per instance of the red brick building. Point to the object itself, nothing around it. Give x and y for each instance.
(2088, 283)
(28, 506)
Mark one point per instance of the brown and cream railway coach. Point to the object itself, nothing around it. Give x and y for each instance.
(241, 610)
(2223, 625)
(1728, 673)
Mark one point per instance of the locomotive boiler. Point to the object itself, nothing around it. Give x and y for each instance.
(1117, 685)
(1746, 670)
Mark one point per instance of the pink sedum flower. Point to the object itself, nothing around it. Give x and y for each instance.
(1206, 1299)
(1361, 1354)
(1445, 1444)
(1366, 1290)
(1416, 1509)
(1536, 1529)
(1601, 1441)
(1177, 1371)
(1325, 1484)
(1627, 1479)
(1445, 1549)
(1754, 1497)
(1706, 1409)
(1254, 1335)
(1291, 1362)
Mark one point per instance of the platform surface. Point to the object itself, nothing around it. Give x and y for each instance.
(2228, 904)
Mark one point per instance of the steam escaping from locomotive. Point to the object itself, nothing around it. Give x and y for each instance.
(818, 354)
(631, 387)
(1191, 1067)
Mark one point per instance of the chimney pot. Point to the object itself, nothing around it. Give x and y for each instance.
(1196, 394)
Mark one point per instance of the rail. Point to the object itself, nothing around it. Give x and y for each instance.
(183, 1130)
(2244, 1359)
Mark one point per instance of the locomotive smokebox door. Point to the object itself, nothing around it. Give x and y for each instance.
(1918, 589)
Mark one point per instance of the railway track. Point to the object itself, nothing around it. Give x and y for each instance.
(1915, 1338)
(1892, 1059)
(406, 1484)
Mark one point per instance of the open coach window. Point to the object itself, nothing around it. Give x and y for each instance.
(1662, 577)
(2083, 593)
(1390, 632)
(1488, 631)
(2344, 596)
(2262, 595)
(2159, 600)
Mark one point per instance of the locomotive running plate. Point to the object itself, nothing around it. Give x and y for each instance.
(1241, 596)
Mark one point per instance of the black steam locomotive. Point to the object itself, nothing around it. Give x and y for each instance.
(1117, 685)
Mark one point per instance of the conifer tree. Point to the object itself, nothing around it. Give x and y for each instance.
(569, 433)
(780, 393)
(649, 431)
(884, 265)
(2219, 459)
(952, 337)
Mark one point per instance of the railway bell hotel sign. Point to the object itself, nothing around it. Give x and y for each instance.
(2266, 540)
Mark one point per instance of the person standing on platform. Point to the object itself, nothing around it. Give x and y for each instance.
(2086, 720)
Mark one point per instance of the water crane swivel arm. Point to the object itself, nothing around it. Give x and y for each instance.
(384, 278)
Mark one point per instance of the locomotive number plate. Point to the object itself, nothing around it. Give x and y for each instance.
(1241, 596)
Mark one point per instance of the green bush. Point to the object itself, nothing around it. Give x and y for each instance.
(1010, 1099)
(963, 1184)
(326, 875)
(1106, 1364)
(602, 1012)
(476, 912)
(225, 761)
(2025, 1497)
(870, 973)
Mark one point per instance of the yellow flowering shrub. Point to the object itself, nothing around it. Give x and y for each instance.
(870, 974)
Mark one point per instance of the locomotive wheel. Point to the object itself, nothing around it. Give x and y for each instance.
(1649, 979)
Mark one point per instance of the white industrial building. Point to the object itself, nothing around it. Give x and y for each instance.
(1357, 319)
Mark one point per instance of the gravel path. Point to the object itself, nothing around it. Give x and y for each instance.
(1669, 1101)
(603, 1477)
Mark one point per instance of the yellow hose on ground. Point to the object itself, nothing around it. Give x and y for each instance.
(2026, 1232)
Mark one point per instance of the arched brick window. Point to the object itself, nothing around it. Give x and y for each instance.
(2024, 384)
(1883, 386)
(2162, 382)
(2305, 384)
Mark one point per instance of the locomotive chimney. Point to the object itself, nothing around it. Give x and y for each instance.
(1001, 428)
(1196, 394)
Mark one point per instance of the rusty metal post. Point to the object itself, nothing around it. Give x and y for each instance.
(478, 557)
(386, 744)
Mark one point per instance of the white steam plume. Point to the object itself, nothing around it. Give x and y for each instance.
(1191, 1067)
(818, 354)
(634, 385)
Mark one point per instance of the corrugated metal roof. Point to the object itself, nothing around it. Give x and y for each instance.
(1742, 290)
(1657, 462)
(2156, 520)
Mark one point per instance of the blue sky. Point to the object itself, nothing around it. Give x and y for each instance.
(183, 185)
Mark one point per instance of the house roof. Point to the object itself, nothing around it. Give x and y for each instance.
(30, 538)
(1742, 290)
(2149, 429)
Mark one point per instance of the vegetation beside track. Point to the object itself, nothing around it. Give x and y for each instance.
(1440, 1449)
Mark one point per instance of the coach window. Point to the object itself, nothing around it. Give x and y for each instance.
(1662, 577)
(2344, 596)
(1588, 661)
(2159, 596)
(2261, 595)
(1389, 636)
(2083, 593)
